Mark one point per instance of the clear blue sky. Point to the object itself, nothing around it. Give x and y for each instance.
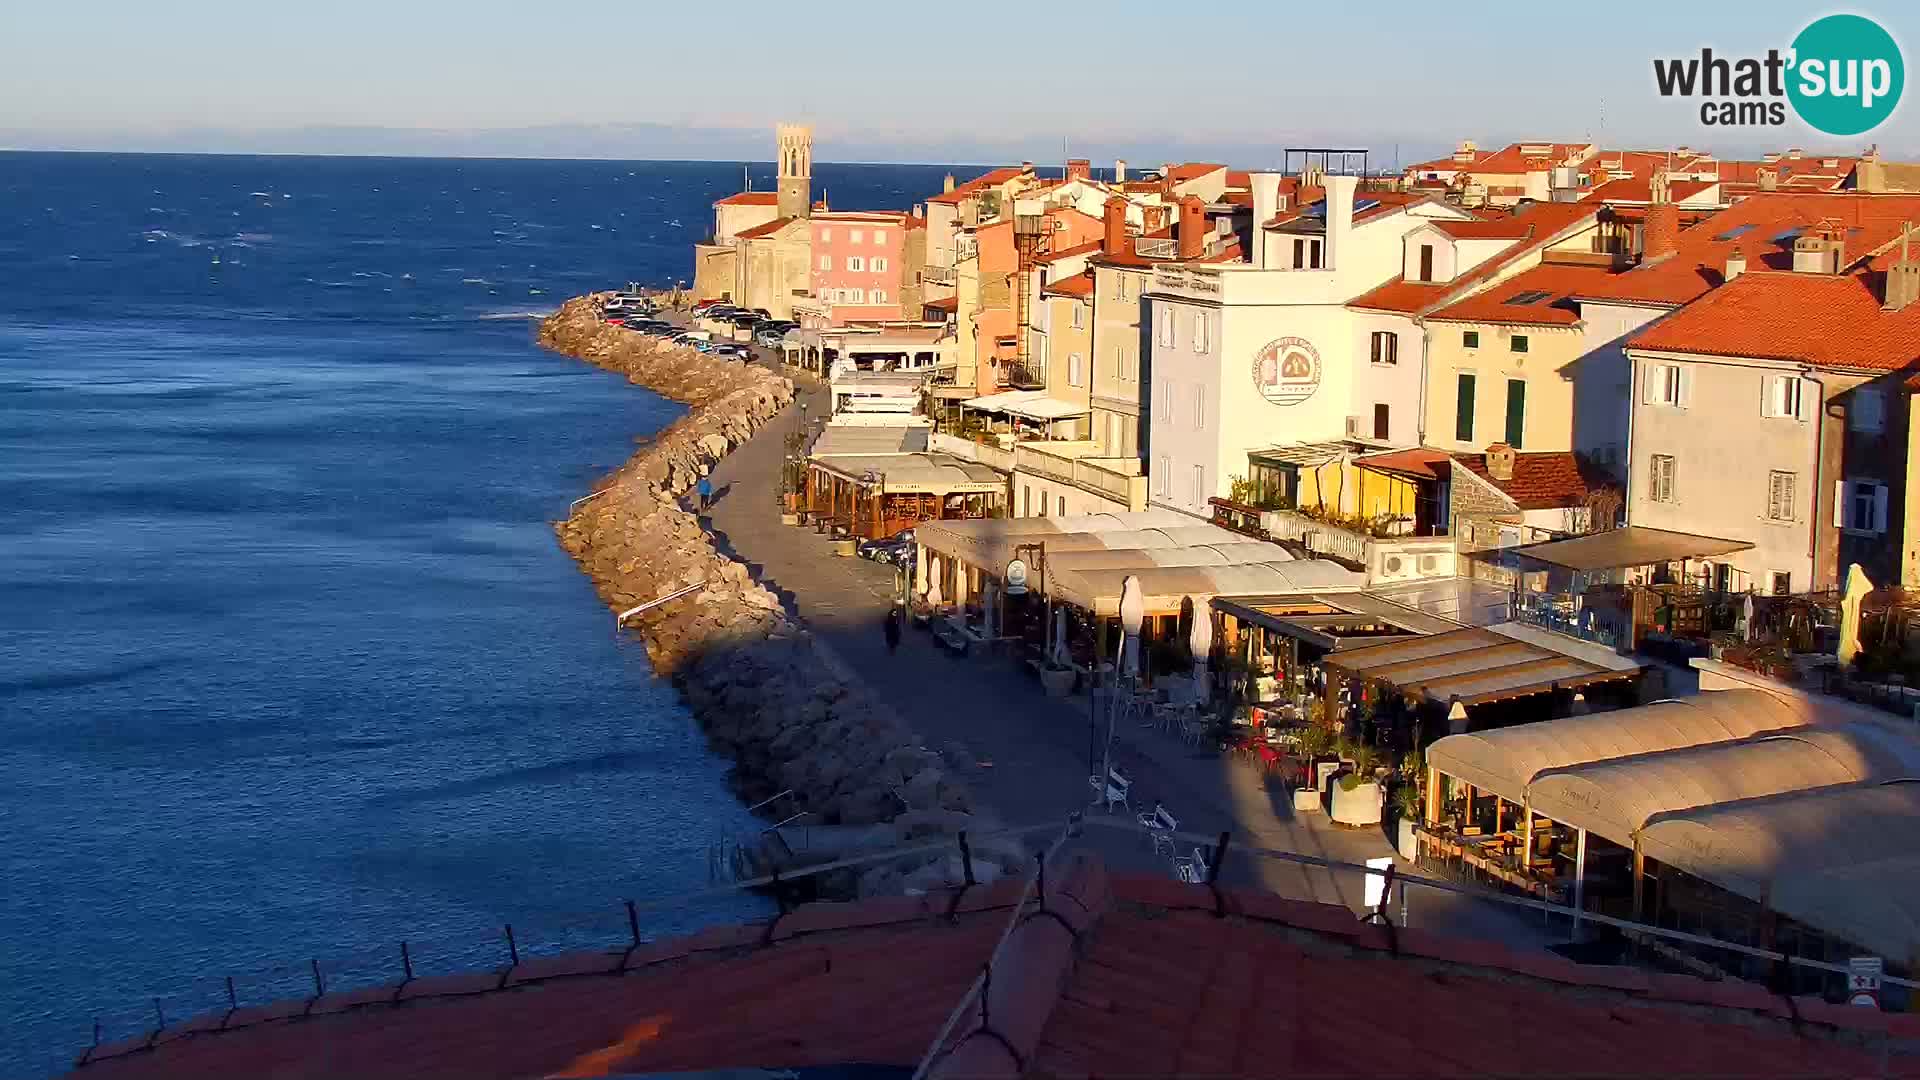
(82, 73)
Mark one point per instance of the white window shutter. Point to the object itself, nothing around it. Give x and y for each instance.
(1804, 387)
(1839, 504)
(1879, 508)
(1686, 388)
(1650, 384)
(1769, 395)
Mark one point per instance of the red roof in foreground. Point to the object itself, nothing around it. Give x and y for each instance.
(1124, 977)
(1547, 481)
(750, 198)
(1559, 281)
(1078, 285)
(1537, 226)
(1087, 248)
(945, 303)
(1827, 320)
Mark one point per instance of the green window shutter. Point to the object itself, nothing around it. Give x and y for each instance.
(1463, 415)
(1516, 411)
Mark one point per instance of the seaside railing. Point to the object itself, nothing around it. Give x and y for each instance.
(618, 930)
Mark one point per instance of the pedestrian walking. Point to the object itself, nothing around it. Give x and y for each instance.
(704, 489)
(893, 630)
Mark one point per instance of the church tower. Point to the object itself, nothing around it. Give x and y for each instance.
(796, 170)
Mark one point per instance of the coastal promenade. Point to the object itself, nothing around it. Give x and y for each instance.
(1031, 749)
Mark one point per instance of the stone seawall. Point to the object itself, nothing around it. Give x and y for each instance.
(766, 693)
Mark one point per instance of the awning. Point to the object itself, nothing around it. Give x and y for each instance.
(1842, 860)
(1475, 665)
(1331, 621)
(906, 474)
(1505, 760)
(1032, 404)
(845, 440)
(988, 543)
(1634, 545)
(1164, 589)
(1193, 555)
(1616, 798)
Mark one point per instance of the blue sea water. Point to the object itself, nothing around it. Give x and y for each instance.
(291, 665)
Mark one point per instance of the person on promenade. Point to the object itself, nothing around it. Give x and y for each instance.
(893, 630)
(704, 489)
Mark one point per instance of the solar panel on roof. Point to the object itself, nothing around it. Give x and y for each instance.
(1531, 296)
(1736, 232)
(1785, 235)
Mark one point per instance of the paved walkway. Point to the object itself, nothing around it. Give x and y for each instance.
(1034, 749)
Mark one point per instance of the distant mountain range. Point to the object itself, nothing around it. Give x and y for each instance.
(645, 141)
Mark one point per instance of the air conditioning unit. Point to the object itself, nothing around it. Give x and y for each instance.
(1357, 427)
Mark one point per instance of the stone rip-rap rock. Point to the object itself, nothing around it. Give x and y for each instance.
(754, 677)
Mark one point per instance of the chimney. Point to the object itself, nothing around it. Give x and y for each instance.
(1500, 462)
(1079, 168)
(1119, 170)
(1903, 277)
(1818, 252)
(1769, 180)
(1660, 236)
(1736, 265)
(1193, 228)
(1266, 203)
(1115, 240)
(1339, 215)
(949, 186)
(1464, 153)
(1026, 166)
(1794, 153)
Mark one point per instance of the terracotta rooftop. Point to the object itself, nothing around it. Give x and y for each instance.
(1077, 285)
(750, 198)
(1192, 170)
(1514, 159)
(1122, 977)
(767, 229)
(1498, 305)
(979, 183)
(1078, 249)
(1239, 178)
(1543, 481)
(1538, 225)
(945, 303)
(1822, 319)
(1762, 227)
(1638, 189)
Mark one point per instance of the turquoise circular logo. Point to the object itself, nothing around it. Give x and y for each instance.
(1847, 74)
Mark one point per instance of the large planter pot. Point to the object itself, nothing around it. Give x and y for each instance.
(789, 518)
(1358, 805)
(1407, 840)
(1058, 682)
(846, 548)
(1306, 801)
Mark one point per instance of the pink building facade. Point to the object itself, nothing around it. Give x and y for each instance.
(857, 265)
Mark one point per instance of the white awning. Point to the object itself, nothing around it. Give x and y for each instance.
(987, 543)
(1165, 588)
(1505, 760)
(1047, 408)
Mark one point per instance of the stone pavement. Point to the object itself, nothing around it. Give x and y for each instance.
(1033, 749)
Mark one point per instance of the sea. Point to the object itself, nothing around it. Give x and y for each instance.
(296, 685)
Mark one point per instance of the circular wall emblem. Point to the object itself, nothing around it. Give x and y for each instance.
(1287, 371)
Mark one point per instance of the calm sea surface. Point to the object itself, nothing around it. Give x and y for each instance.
(291, 666)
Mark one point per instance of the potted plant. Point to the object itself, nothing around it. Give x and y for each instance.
(1357, 795)
(1406, 808)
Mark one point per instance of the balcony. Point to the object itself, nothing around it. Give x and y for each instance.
(1115, 478)
(1156, 248)
(984, 453)
(1024, 375)
(938, 275)
(965, 248)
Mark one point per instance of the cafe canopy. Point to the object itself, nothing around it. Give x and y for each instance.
(1504, 761)
(988, 544)
(1473, 665)
(1633, 545)
(1165, 589)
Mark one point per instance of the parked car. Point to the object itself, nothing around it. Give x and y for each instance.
(728, 348)
(897, 549)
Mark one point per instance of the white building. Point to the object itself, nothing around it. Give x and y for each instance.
(1265, 353)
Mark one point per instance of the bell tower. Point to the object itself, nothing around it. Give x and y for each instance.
(796, 170)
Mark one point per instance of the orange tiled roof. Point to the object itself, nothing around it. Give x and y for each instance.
(1132, 976)
(1540, 223)
(1511, 160)
(1499, 227)
(1239, 178)
(1494, 305)
(1823, 319)
(989, 179)
(1192, 170)
(1237, 197)
(1087, 248)
(1761, 227)
(767, 229)
(750, 198)
(1640, 190)
(945, 303)
(1078, 285)
(1546, 481)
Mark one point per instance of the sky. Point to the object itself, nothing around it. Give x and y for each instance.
(878, 80)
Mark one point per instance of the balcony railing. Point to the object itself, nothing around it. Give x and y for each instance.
(1118, 479)
(1025, 375)
(991, 456)
(1155, 248)
(938, 275)
(965, 248)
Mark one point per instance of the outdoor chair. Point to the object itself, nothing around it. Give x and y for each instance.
(1201, 868)
(1184, 870)
(1160, 827)
(1111, 790)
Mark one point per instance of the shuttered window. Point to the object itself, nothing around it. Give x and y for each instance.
(1660, 477)
(1516, 412)
(1463, 409)
(1780, 495)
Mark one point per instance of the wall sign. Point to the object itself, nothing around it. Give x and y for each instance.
(1287, 371)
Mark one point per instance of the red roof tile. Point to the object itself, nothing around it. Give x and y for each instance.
(750, 198)
(1638, 189)
(945, 303)
(1544, 481)
(1423, 463)
(1538, 225)
(1239, 178)
(979, 183)
(1512, 159)
(1079, 249)
(767, 229)
(1078, 285)
(1192, 170)
(1826, 320)
(1494, 305)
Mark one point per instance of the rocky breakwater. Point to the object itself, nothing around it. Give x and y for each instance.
(767, 694)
